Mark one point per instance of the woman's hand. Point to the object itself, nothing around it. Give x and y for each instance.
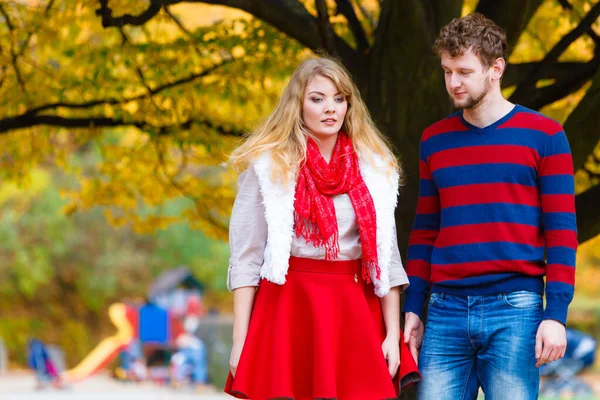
(243, 299)
(390, 306)
(234, 358)
(391, 352)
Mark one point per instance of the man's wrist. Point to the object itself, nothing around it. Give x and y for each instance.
(555, 320)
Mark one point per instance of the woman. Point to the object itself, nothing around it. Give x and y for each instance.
(313, 228)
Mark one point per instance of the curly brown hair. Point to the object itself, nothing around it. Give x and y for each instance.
(484, 36)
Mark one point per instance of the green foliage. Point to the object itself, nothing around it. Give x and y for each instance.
(59, 273)
(182, 89)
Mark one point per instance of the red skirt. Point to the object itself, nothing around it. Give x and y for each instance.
(318, 336)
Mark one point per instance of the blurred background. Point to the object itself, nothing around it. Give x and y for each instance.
(116, 117)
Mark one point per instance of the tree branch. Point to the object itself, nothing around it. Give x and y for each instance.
(201, 206)
(289, 16)
(152, 92)
(516, 73)
(183, 29)
(537, 98)
(570, 37)
(14, 55)
(591, 33)
(9, 24)
(3, 69)
(32, 118)
(31, 33)
(138, 70)
(526, 91)
(345, 7)
(30, 121)
(325, 28)
(105, 12)
(505, 14)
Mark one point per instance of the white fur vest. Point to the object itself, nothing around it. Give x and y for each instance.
(279, 212)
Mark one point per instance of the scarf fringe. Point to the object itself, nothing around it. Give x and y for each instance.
(367, 267)
(311, 233)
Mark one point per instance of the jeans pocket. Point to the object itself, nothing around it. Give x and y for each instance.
(522, 299)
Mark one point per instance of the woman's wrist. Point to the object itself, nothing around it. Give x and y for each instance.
(393, 336)
(239, 338)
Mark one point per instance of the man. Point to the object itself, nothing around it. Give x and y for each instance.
(496, 213)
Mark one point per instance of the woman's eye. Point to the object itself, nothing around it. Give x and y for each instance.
(316, 99)
(340, 99)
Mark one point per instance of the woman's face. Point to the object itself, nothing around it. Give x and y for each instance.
(324, 107)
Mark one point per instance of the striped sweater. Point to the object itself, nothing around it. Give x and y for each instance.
(496, 211)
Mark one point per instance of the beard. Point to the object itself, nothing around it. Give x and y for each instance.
(473, 101)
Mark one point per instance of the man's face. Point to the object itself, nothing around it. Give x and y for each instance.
(467, 80)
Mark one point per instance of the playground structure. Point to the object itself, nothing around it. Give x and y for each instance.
(125, 319)
(174, 298)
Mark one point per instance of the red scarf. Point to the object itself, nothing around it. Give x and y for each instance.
(314, 214)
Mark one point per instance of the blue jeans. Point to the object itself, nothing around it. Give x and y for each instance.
(480, 341)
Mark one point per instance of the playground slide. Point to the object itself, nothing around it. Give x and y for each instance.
(108, 348)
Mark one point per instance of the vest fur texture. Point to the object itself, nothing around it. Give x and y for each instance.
(279, 212)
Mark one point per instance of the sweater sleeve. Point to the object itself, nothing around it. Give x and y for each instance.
(397, 273)
(557, 192)
(422, 239)
(247, 233)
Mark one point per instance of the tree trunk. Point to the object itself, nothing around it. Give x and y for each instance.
(582, 129)
(404, 88)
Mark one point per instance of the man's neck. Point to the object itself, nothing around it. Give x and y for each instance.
(489, 110)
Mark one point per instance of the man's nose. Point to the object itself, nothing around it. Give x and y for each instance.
(454, 81)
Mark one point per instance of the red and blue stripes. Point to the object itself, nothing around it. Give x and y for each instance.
(496, 211)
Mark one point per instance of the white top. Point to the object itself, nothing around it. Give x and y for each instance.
(248, 237)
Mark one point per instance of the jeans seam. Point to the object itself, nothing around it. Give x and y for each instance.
(467, 381)
(481, 319)
(469, 327)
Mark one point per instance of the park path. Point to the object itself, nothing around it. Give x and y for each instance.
(21, 387)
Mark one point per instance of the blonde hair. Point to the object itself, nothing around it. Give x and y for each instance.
(284, 134)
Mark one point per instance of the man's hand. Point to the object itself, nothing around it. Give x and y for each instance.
(413, 334)
(550, 342)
